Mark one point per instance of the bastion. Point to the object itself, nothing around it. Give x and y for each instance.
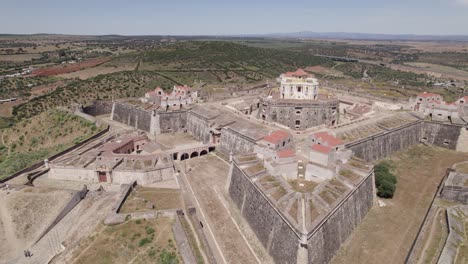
(297, 225)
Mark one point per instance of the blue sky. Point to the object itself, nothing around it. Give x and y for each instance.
(197, 17)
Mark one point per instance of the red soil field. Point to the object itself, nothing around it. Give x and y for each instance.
(68, 68)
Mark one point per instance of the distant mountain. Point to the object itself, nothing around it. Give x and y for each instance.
(365, 36)
(292, 35)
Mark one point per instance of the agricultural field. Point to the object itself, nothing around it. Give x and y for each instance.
(116, 85)
(38, 137)
(67, 68)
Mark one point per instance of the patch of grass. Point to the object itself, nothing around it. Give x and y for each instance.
(303, 186)
(112, 247)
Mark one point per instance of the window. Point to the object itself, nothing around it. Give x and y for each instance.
(299, 89)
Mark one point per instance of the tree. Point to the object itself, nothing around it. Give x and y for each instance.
(385, 181)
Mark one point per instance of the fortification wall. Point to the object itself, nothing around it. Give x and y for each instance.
(132, 116)
(239, 144)
(386, 143)
(274, 233)
(198, 128)
(98, 108)
(300, 116)
(441, 134)
(280, 239)
(326, 239)
(455, 193)
(172, 121)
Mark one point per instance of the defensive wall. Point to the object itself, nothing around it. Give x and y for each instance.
(280, 238)
(385, 143)
(131, 116)
(75, 199)
(337, 226)
(98, 108)
(152, 121)
(299, 114)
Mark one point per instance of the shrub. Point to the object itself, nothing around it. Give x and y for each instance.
(385, 181)
(144, 241)
(167, 257)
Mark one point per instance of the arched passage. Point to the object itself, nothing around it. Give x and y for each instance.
(194, 154)
(184, 156)
(203, 152)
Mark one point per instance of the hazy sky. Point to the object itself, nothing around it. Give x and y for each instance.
(177, 17)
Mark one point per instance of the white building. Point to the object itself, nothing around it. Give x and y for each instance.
(180, 95)
(298, 85)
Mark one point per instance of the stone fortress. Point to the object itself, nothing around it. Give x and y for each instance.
(301, 177)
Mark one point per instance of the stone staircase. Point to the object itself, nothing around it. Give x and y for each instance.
(462, 143)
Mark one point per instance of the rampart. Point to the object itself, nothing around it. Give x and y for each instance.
(328, 236)
(441, 134)
(132, 116)
(280, 238)
(152, 121)
(385, 143)
(98, 108)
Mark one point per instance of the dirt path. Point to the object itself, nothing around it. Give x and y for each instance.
(9, 227)
(207, 174)
(430, 237)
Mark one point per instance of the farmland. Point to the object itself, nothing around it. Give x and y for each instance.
(51, 71)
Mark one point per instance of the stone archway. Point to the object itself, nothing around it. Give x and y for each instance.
(184, 156)
(203, 152)
(194, 154)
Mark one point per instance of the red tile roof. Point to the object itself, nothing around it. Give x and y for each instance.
(298, 73)
(426, 94)
(321, 148)
(276, 136)
(328, 139)
(286, 153)
(185, 87)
